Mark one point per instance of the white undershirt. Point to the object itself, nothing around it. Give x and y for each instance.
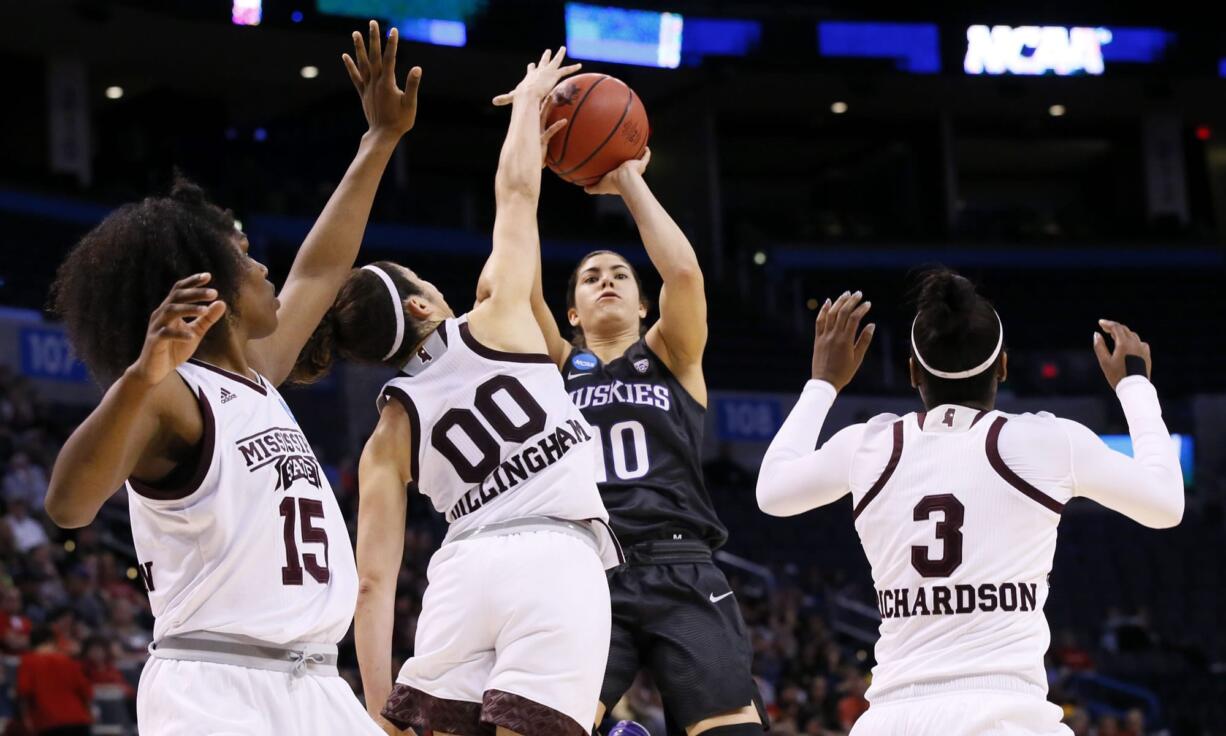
(1147, 488)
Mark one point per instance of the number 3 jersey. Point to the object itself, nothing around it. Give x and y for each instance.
(249, 540)
(495, 436)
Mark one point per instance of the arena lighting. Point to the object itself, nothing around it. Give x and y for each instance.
(114, 92)
(812, 304)
(246, 12)
(309, 72)
(296, 16)
(1056, 111)
(437, 22)
(838, 108)
(759, 258)
(1203, 132)
(623, 36)
(914, 47)
(1032, 50)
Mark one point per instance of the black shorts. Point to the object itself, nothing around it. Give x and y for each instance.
(674, 615)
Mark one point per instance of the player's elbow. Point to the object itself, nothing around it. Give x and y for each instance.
(1171, 514)
(687, 275)
(770, 501)
(65, 514)
(371, 585)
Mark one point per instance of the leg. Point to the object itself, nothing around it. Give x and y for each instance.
(699, 652)
(624, 664)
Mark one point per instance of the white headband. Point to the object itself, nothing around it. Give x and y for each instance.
(1000, 343)
(397, 307)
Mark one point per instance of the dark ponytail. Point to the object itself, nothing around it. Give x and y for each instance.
(955, 329)
(360, 325)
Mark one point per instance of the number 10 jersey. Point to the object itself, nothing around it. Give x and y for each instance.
(495, 436)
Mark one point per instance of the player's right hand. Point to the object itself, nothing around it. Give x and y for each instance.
(373, 73)
(837, 350)
(540, 79)
(176, 328)
(1116, 363)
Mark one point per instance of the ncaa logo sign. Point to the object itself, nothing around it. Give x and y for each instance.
(584, 362)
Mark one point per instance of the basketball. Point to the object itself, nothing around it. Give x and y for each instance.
(608, 125)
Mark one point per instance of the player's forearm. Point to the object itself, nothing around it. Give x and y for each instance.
(667, 246)
(372, 633)
(100, 454)
(1151, 445)
(785, 485)
(331, 247)
(518, 180)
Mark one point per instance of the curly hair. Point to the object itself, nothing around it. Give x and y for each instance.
(118, 274)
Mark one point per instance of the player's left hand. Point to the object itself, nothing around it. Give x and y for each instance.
(837, 350)
(1131, 355)
(540, 78)
(614, 181)
(387, 108)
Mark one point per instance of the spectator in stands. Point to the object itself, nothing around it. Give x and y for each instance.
(15, 627)
(1134, 723)
(1070, 656)
(54, 694)
(1109, 725)
(133, 638)
(99, 666)
(26, 480)
(83, 597)
(27, 531)
(853, 704)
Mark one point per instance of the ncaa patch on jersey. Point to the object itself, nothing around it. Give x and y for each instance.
(641, 365)
(584, 362)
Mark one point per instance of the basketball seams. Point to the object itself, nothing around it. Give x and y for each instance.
(575, 116)
(607, 138)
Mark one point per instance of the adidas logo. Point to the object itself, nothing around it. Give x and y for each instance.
(227, 395)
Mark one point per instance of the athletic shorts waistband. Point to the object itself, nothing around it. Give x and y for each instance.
(1003, 682)
(580, 529)
(299, 658)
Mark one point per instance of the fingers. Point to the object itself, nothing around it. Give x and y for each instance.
(376, 49)
(504, 99)
(412, 82)
(359, 55)
(857, 314)
(1101, 350)
(863, 341)
(354, 75)
(211, 315)
(645, 157)
(823, 316)
(196, 279)
(389, 55)
(847, 304)
(566, 71)
(552, 130)
(1125, 339)
(544, 59)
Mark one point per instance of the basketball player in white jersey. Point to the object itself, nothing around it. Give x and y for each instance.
(514, 629)
(957, 508)
(240, 541)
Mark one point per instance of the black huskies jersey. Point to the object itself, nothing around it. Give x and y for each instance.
(650, 432)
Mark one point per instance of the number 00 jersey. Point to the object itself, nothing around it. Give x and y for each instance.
(650, 431)
(959, 542)
(495, 437)
(250, 541)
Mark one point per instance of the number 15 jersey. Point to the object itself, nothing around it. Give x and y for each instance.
(495, 436)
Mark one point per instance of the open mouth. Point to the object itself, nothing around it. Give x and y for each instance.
(608, 295)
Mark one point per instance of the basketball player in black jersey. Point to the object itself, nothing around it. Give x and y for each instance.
(644, 392)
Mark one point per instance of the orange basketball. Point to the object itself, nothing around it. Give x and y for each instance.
(608, 125)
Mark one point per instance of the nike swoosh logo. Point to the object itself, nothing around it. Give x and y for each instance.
(714, 599)
(573, 376)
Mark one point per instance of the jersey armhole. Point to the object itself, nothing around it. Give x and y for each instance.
(491, 354)
(664, 367)
(187, 476)
(402, 397)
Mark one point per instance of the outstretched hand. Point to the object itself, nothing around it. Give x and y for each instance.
(613, 182)
(540, 78)
(1129, 357)
(176, 328)
(837, 350)
(387, 108)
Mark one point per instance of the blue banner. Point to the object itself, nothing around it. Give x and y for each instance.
(46, 353)
(748, 419)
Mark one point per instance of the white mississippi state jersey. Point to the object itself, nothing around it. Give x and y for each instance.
(960, 541)
(495, 435)
(250, 541)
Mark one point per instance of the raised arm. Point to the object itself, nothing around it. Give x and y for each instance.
(556, 345)
(144, 417)
(383, 474)
(795, 476)
(504, 317)
(1147, 487)
(331, 247)
(680, 335)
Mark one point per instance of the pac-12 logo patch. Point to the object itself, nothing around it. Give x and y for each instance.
(584, 362)
(641, 365)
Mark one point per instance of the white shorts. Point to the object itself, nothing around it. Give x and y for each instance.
(185, 698)
(514, 632)
(964, 713)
